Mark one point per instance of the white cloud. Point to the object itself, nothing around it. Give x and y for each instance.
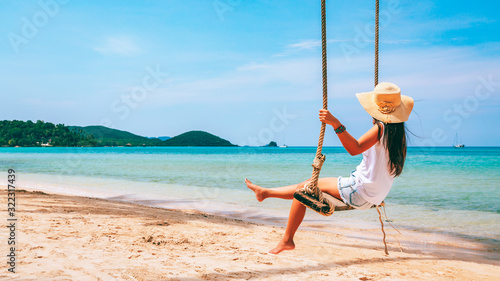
(120, 45)
(433, 73)
(253, 66)
(459, 22)
(314, 45)
(305, 45)
(419, 26)
(268, 81)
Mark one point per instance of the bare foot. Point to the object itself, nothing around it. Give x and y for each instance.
(259, 191)
(282, 246)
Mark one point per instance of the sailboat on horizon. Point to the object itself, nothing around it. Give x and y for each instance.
(284, 143)
(456, 143)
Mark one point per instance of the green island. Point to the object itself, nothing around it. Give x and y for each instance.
(271, 144)
(41, 134)
(197, 138)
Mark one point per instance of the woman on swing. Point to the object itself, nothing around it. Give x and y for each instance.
(384, 153)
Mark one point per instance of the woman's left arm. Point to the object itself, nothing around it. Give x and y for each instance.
(353, 146)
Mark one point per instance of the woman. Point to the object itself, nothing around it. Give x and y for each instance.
(384, 153)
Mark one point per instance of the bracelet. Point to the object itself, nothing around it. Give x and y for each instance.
(340, 129)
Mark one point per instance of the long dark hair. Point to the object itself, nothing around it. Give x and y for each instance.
(394, 140)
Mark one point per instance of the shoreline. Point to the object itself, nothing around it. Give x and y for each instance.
(83, 238)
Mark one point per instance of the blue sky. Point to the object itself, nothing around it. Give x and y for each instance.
(249, 71)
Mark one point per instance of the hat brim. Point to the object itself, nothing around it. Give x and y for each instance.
(400, 114)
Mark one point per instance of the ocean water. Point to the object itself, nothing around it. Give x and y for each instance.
(442, 190)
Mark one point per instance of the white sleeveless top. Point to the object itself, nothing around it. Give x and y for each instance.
(372, 174)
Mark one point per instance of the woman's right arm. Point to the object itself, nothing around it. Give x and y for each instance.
(352, 145)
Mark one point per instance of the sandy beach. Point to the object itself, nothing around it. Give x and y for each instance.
(63, 237)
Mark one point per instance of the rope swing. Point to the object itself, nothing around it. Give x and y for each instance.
(311, 196)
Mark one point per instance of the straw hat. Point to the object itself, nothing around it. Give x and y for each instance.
(386, 103)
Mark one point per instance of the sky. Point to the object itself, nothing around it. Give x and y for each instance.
(250, 71)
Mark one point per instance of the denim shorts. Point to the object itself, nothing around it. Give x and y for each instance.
(348, 191)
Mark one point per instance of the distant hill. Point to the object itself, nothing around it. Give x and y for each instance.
(197, 138)
(163, 138)
(28, 133)
(111, 137)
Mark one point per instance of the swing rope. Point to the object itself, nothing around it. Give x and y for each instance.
(311, 196)
(312, 187)
(377, 16)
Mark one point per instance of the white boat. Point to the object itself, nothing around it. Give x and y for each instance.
(456, 143)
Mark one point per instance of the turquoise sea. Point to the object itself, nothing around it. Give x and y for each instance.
(442, 190)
